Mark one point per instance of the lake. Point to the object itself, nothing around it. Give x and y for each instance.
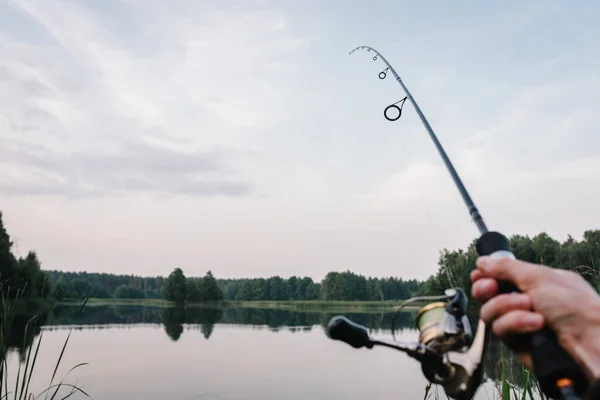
(163, 353)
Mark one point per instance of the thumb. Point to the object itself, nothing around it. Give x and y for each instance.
(522, 274)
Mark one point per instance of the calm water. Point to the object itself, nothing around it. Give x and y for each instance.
(153, 353)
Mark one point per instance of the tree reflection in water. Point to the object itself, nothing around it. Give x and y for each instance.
(176, 321)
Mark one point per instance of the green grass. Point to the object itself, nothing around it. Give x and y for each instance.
(17, 384)
(509, 389)
(530, 390)
(301, 305)
(318, 305)
(117, 302)
(298, 305)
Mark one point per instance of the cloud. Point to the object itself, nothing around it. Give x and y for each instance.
(135, 167)
(248, 127)
(105, 106)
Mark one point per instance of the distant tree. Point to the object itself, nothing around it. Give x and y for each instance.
(174, 288)
(209, 290)
(63, 289)
(29, 277)
(81, 288)
(154, 294)
(230, 290)
(546, 249)
(129, 292)
(292, 288)
(192, 291)
(344, 286)
(522, 248)
(7, 259)
(99, 292)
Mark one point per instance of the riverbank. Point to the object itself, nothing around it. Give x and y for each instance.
(303, 305)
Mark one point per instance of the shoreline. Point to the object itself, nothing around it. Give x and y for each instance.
(292, 305)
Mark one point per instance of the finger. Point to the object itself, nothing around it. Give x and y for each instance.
(503, 304)
(517, 322)
(484, 289)
(523, 274)
(476, 274)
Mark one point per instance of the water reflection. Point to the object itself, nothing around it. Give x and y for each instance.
(273, 319)
(174, 318)
(27, 319)
(230, 331)
(202, 318)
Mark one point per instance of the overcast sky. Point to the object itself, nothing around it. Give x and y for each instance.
(241, 137)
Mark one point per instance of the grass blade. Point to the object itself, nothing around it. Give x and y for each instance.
(37, 349)
(62, 380)
(69, 395)
(17, 381)
(84, 303)
(28, 357)
(58, 362)
(64, 384)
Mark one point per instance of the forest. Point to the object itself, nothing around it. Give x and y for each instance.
(26, 276)
(583, 257)
(177, 287)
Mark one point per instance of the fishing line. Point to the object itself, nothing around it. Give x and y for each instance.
(428, 217)
(436, 234)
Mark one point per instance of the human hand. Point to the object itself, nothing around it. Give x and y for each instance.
(560, 299)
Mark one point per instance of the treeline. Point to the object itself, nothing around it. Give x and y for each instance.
(20, 277)
(345, 285)
(350, 286)
(273, 289)
(335, 286)
(582, 257)
(25, 276)
(79, 285)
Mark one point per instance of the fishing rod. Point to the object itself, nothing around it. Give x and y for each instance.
(449, 354)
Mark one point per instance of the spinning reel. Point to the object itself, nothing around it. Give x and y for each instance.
(449, 354)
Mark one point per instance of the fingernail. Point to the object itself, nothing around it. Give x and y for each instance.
(483, 262)
(487, 285)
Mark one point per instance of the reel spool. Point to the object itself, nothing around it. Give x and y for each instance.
(443, 324)
(430, 322)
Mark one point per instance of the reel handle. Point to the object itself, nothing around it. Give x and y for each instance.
(342, 329)
(551, 363)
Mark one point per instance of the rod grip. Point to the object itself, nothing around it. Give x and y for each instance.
(551, 362)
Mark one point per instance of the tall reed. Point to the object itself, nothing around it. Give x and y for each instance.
(17, 384)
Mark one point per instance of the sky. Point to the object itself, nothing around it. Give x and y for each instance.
(241, 137)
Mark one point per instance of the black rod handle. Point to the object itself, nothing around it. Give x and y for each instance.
(551, 363)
